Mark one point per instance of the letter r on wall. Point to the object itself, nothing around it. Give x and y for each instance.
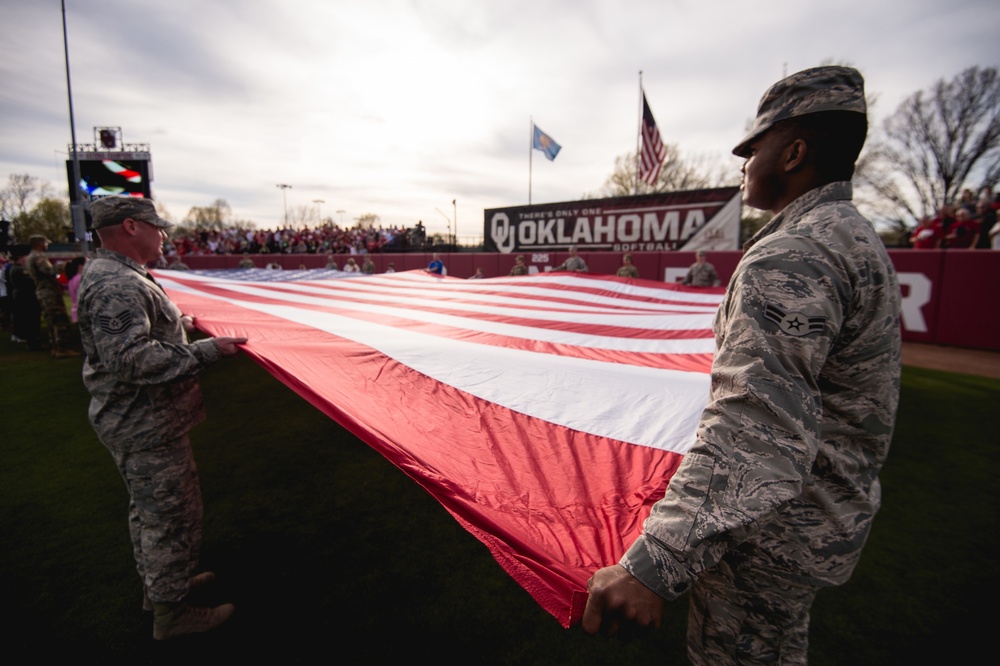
(916, 293)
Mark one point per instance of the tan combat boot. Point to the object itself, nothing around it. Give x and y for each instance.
(173, 620)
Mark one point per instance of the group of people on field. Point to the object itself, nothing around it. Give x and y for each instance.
(774, 499)
(33, 290)
(699, 274)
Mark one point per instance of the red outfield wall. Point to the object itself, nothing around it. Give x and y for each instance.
(950, 297)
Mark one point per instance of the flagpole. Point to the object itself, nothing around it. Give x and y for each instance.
(638, 138)
(531, 143)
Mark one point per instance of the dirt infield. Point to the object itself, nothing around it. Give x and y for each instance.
(952, 359)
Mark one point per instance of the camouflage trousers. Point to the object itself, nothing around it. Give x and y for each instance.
(164, 516)
(739, 615)
(54, 311)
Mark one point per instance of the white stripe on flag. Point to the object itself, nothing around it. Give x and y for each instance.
(585, 395)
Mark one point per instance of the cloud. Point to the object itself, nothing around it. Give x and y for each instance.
(397, 107)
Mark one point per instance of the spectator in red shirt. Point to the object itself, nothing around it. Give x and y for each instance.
(964, 232)
(927, 236)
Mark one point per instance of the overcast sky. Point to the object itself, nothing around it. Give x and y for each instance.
(398, 107)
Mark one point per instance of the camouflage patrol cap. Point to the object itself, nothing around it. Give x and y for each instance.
(831, 88)
(109, 211)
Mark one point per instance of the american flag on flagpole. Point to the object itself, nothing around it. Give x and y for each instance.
(653, 151)
(546, 413)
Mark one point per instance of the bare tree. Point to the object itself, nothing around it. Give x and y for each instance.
(16, 195)
(161, 210)
(938, 142)
(302, 216)
(29, 204)
(677, 174)
(214, 216)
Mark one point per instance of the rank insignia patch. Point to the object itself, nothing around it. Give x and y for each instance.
(115, 324)
(793, 323)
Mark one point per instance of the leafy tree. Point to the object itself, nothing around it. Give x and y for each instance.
(938, 142)
(50, 218)
(367, 221)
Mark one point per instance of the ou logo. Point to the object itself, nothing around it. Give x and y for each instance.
(502, 232)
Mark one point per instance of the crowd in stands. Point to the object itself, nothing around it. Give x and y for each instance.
(971, 223)
(327, 239)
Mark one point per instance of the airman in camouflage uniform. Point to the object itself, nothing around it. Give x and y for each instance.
(574, 263)
(628, 269)
(777, 496)
(701, 273)
(141, 371)
(50, 297)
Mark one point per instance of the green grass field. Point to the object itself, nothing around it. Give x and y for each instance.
(331, 554)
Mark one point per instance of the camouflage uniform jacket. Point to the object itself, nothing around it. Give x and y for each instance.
(44, 274)
(574, 264)
(140, 367)
(805, 385)
(701, 275)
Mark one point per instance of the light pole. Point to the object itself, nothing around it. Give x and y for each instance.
(319, 211)
(449, 224)
(341, 214)
(77, 203)
(284, 197)
(454, 207)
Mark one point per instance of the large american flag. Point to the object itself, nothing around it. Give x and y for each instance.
(653, 151)
(546, 413)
